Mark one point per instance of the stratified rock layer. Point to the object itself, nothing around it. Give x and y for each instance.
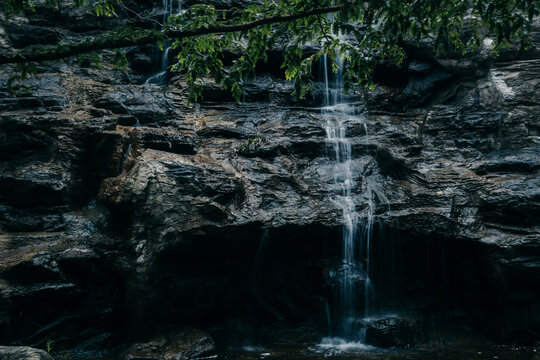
(123, 209)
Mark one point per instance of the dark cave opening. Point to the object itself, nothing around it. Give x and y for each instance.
(282, 277)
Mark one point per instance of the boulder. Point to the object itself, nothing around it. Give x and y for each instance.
(393, 332)
(23, 353)
(184, 344)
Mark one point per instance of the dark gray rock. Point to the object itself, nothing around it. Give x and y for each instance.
(184, 344)
(110, 230)
(23, 353)
(25, 35)
(420, 68)
(393, 332)
(419, 89)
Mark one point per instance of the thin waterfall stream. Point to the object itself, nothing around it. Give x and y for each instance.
(168, 9)
(354, 275)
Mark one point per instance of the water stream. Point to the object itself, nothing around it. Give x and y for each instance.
(168, 8)
(355, 287)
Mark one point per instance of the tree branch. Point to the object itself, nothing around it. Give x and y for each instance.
(138, 15)
(68, 50)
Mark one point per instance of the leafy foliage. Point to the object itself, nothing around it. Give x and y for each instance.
(251, 145)
(49, 346)
(16, 82)
(361, 33)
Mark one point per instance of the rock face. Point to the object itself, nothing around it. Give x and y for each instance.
(123, 209)
(23, 353)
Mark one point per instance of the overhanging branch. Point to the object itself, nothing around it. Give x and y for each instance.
(68, 50)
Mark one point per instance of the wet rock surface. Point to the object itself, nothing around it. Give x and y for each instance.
(184, 344)
(23, 353)
(124, 209)
(393, 332)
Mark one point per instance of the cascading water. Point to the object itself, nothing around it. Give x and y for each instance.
(354, 280)
(168, 9)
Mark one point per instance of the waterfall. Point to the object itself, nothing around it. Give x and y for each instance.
(357, 231)
(159, 77)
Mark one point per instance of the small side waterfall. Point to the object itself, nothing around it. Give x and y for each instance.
(354, 280)
(168, 9)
